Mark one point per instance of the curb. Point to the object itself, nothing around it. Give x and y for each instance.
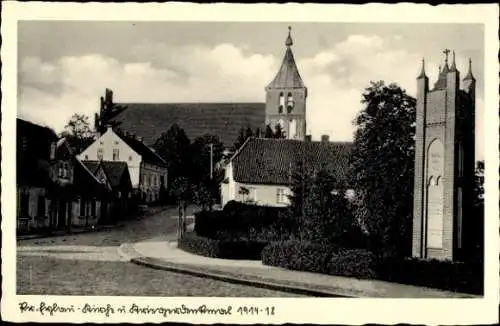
(44, 236)
(160, 265)
(127, 251)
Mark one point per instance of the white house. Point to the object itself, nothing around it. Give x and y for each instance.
(148, 171)
(261, 170)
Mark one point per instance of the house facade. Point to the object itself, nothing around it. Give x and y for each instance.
(261, 171)
(118, 204)
(147, 170)
(51, 183)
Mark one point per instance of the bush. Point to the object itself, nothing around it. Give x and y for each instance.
(360, 263)
(227, 249)
(446, 275)
(357, 263)
(241, 220)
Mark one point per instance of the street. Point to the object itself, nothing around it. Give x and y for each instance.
(89, 264)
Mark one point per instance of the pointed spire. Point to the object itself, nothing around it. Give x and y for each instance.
(289, 41)
(453, 65)
(422, 72)
(469, 73)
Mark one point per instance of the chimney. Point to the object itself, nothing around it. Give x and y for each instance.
(308, 138)
(325, 138)
(53, 147)
(108, 96)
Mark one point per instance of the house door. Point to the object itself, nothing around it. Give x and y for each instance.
(62, 213)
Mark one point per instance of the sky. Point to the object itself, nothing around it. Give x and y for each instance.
(65, 66)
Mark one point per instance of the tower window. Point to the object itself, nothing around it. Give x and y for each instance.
(282, 103)
(289, 103)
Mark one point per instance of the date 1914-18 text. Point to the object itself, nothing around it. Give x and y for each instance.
(254, 310)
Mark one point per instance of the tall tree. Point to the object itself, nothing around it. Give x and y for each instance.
(78, 133)
(243, 135)
(382, 164)
(174, 146)
(206, 152)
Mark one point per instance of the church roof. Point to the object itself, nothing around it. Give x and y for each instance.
(271, 161)
(224, 120)
(288, 75)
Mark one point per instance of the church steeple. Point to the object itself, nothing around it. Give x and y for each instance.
(289, 41)
(286, 96)
(469, 75)
(288, 75)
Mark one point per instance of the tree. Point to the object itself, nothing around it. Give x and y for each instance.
(244, 134)
(269, 132)
(382, 163)
(278, 131)
(78, 133)
(206, 152)
(175, 148)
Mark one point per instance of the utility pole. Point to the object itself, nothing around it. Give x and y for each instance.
(211, 160)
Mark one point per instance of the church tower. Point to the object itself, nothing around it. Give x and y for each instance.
(286, 97)
(443, 220)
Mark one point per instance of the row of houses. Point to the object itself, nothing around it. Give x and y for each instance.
(56, 190)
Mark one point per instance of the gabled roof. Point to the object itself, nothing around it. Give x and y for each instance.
(114, 170)
(224, 120)
(288, 76)
(147, 153)
(272, 161)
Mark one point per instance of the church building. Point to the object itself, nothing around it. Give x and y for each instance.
(285, 105)
(443, 221)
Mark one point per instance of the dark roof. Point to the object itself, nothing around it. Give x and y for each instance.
(33, 153)
(148, 155)
(114, 170)
(33, 140)
(85, 181)
(271, 161)
(288, 76)
(224, 120)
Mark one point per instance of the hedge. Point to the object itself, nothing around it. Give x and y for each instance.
(319, 258)
(240, 220)
(360, 263)
(227, 249)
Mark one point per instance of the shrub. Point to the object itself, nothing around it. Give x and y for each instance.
(199, 245)
(446, 275)
(241, 220)
(227, 249)
(297, 255)
(357, 263)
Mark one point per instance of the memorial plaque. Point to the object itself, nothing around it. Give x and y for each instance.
(435, 195)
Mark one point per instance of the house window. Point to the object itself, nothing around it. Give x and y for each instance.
(280, 196)
(24, 205)
(152, 182)
(41, 205)
(100, 153)
(63, 170)
(101, 142)
(116, 154)
(130, 158)
(145, 178)
(86, 157)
